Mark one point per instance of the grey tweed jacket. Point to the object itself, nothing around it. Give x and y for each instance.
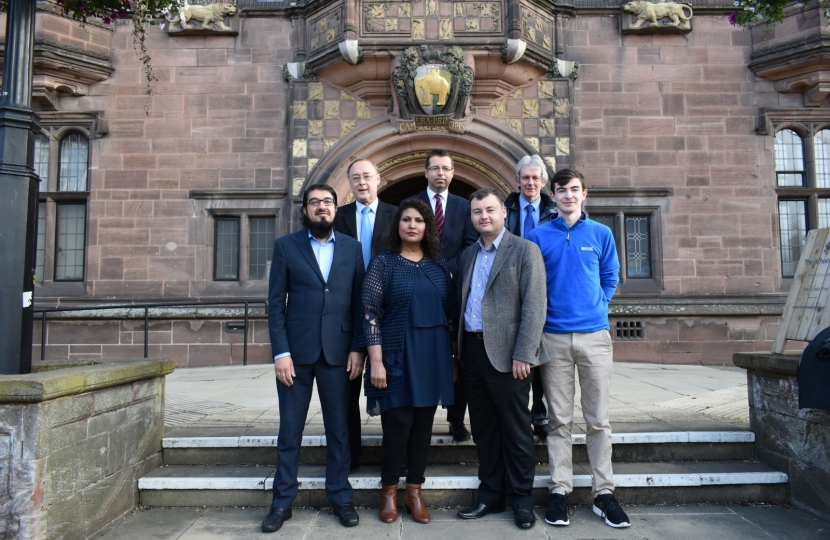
(514, 305)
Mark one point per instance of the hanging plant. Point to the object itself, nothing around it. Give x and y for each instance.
(757, 11)
(142, 13)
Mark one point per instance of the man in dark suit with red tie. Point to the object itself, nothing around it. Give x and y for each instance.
(456, 230)
(367, 220)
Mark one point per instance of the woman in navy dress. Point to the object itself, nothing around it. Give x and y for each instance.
(408, 307)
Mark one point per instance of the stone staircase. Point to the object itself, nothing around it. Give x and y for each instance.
(674, 467)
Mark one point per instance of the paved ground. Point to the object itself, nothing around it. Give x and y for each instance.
(645, 398)
(691, 522)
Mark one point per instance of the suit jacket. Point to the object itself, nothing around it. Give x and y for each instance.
(458, 228)
(345, 221)
(307, 315)
(547, 211)
(514, 305)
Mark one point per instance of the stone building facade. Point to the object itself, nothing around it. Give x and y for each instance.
(177, 196)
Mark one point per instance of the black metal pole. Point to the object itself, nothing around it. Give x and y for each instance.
(43, 336)
(245, 343)
(146, 329)
(18, 191)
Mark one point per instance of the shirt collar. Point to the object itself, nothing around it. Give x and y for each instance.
(523, 203)
(374, 206)
(329, 239)
(431, 195)
(496, 242)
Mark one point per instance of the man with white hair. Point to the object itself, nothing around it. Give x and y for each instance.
(528, 208)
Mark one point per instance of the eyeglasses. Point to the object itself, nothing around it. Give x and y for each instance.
(435, 169)
(314, 203)
(365, 176)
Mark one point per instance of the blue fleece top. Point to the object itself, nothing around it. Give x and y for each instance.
(582, 273)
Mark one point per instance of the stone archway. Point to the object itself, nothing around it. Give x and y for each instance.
(485, 155)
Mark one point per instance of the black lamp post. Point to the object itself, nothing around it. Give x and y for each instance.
(18, 191)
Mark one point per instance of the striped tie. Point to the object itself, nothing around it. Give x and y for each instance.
(439, 215)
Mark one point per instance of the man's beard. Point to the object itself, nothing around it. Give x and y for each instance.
(318, 229)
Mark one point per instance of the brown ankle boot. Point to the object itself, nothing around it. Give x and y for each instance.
(389, 503)
(415, 505)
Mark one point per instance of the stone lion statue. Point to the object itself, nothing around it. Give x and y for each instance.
(646, 11)
(207, 15)
(435, 84)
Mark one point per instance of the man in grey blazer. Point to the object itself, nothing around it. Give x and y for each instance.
(367, 220)
(503, 306)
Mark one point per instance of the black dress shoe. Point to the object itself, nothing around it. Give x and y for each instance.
(459, 432)
(525, 518)
(480, 510)
(347, 514)
(540, 431)
(275, 518)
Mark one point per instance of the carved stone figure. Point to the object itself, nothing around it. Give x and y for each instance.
(207, 15)
(432, 84)
(432, 7)
(430, 55)
(445, 29)
(417, 29)
(646, 11)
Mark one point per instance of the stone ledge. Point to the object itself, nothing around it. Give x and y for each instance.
(103, 373)
(783, 364)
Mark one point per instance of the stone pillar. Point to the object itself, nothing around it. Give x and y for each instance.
(18, 191)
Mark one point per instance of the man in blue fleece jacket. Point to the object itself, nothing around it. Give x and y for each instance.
(582, 275)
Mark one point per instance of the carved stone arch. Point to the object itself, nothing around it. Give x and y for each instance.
(801, 129)
(486, 154)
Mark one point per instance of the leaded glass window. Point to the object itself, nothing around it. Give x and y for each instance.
(74, 162)
(261, 247)
(70, 242)
(226, 249)
(792, 217)
(789, 158)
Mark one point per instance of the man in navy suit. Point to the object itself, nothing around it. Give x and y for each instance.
(367, 220)
(456, 230)
(313, 296)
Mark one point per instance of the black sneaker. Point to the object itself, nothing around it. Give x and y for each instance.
(557, 513)
(607, 507)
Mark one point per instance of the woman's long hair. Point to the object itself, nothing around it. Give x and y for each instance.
(431, 242)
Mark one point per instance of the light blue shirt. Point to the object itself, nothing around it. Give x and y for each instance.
(523, 204)
(324, 253)
(478, 284)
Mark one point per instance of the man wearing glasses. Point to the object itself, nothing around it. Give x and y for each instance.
(367, 220)
(456, 230)
(313, 298)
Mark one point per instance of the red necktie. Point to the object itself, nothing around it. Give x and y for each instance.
(439, 215)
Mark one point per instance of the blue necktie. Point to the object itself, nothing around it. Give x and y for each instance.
(366, 236)
(529, 225)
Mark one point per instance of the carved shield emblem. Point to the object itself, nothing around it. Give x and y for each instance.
(432, 87)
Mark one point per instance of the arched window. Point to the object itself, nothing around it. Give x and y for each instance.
(74, 162)
(42, 159)
(789, 158)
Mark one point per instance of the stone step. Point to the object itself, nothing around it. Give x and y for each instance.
(454, 485)
(628, 447)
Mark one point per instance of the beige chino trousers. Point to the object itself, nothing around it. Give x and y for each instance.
(591, 355)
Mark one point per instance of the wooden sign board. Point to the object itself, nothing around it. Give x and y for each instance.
(806, 313)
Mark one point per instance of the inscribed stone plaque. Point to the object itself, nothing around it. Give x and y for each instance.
(805, 313)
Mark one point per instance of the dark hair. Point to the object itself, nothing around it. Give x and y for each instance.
(483, 193)
(564, 176)
(431, 243)
(358, 160)
(319, 187)
(439, 152)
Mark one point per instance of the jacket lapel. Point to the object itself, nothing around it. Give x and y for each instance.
(467, 278)
(350, 218)
(338, 255)
(502, 254)
(383, 216)
(304, 245)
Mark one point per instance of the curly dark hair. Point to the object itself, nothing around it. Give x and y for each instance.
(431, 243)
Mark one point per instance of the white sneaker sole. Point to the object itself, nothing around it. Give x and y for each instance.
(559, 523)
(601, 514)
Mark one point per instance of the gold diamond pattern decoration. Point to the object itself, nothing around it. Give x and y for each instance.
(458, 9)
(561, 108)
(298, 149)
(331, 110)
(499, 110)
(345, 95)
(547, 127)
(530, 108)
(312, 162)
(328, 144)
(297, 186)
(315, 90)
(330, 35)
(315, 128)
(516, 94)
(346, 126)
(417, 29)
(515, 124)
(472, 24)
(404, 11)
(445, 29)
(300, 110)
(363, 110)
(552, 162)
(563, 146)
(391, 25)
(533, 142)
(545, 89)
